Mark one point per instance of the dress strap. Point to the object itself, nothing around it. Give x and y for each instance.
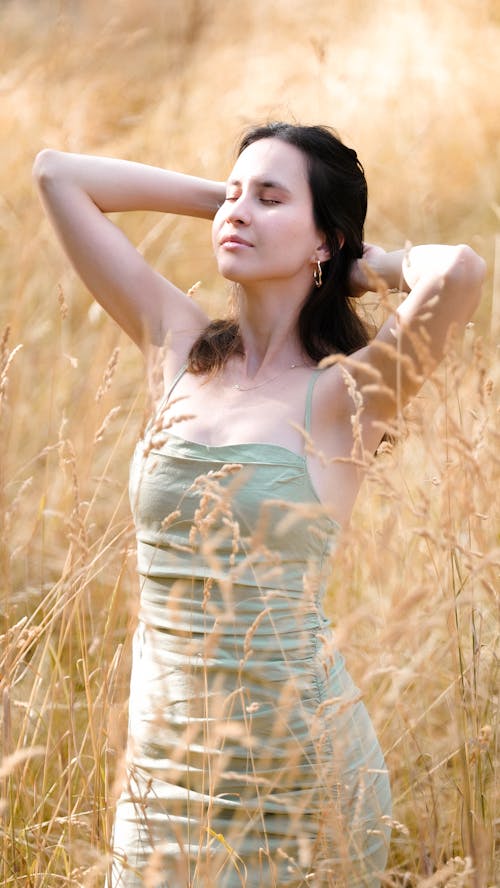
(176, 379)
(308, 410)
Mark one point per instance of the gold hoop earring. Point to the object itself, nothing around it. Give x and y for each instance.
(318, 274)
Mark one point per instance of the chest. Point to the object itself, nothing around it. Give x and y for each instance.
(217, 414)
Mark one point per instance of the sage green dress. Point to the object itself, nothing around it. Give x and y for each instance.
(251, 759)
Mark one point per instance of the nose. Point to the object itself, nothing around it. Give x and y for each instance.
(238, 212)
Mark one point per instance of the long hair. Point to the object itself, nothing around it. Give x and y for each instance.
(328, 322)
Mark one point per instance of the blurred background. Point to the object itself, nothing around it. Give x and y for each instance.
(413, 86)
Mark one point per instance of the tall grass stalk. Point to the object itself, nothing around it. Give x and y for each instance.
(414, 595)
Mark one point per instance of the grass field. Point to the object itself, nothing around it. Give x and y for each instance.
(413, 86)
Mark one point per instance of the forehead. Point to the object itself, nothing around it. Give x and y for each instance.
(272, 160)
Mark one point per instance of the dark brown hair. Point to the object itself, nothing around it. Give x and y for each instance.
(328, 322)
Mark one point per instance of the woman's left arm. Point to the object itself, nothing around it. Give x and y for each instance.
(444, 284)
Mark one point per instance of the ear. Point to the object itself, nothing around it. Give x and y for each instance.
(321, 253)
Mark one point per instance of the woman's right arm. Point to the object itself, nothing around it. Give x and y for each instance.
(77, 191)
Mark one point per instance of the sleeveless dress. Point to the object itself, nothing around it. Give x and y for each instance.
(251, 760)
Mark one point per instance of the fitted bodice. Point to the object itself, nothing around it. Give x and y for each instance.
(244, 514)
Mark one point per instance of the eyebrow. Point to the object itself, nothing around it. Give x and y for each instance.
(263, 183)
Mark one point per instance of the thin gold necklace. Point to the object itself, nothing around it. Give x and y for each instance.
(266, 381)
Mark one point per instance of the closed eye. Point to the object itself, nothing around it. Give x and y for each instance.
(269, 200)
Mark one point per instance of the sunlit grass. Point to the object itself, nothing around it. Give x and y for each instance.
(414, 592)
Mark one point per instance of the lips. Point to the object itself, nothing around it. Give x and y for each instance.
(234, 239)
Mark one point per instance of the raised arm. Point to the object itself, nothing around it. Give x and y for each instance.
(77, 191)
(444, 284)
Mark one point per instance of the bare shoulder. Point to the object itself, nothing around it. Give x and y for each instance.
(332, 401)
(335, 390)
(341, 438)
(341, 406)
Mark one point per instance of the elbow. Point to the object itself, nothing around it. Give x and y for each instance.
(46, 166)
(466, 275)
(467, 267)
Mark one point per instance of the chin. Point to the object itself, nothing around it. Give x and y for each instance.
(228, 271)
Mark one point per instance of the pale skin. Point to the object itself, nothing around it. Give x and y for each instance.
(265, 239)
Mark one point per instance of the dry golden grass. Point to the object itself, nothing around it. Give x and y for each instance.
(410, 84)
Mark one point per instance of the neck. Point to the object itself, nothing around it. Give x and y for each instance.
(268, 319)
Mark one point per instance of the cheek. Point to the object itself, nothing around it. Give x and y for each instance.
(217, 224)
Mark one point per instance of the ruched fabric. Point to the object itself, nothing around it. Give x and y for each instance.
(251, 759)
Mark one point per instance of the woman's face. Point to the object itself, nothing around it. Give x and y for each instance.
(264, 230)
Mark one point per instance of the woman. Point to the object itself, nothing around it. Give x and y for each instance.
(251, 760)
